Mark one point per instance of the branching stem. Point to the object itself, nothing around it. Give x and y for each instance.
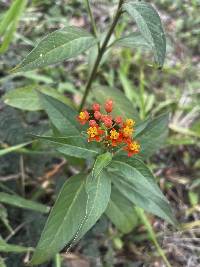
(100, 54)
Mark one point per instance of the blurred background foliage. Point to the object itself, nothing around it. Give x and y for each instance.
(35, 174)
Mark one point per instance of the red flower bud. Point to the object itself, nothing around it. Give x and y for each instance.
(92, 123)
(108, 122)
(97, 115)
(108, 106)
(118, 120)
(96, 107)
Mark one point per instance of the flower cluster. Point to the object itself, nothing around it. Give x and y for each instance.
(112, 132)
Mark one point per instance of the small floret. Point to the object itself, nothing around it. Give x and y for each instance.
(127, 132)
(132, 148)
(94, 134)
(130, 123)
(83, 117)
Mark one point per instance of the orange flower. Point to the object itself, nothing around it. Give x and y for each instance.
(83, 117)
(94, 133)
(127, 132)
(115, 137)
(130, 123)
(133, 147)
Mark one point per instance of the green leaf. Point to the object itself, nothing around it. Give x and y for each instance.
(4, 218)
(79, 205)
(56, 47)
(133, 40)
(64, 219)
(98, 189)
(150, 26)
(62, 116)
(133, 179)
(153, 136)
(5, 151)
(121, 212)
(5, 247)
(140, 127)
(122, 106)
(27, 98)
(101, 162)
(9, 23)
(74, 146)
(22, 202)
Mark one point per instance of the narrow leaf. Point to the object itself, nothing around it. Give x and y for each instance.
(150, 26)
(22, 202)
(62, 116)
(8, 150)
(74, 146)
(64, 220)
(5, 247)
(133, 183)
(56, 47)
(153, 136)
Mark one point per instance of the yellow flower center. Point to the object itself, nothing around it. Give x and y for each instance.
(82, 115)
(114, 134)
(130, 122)
(127, 131)
(134, 146)
(92, 131)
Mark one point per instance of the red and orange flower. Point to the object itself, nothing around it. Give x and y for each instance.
(112, 132)
(83, 117)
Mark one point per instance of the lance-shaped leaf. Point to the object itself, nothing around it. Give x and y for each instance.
(74, 146)
(62, 116)
(22, 202)
(27, 98)
(135, 182)
(154, 135)
(133, 40)
(64, 220)
(121, 212)
(5, 247)
(80, 204)
(98, 189)
(56, 47)
(150, 26)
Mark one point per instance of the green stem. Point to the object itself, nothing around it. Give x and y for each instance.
(100, 54)
(89, 10)
(152, 234)
(57, 260)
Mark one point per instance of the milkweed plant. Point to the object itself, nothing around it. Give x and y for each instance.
(105, 131)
